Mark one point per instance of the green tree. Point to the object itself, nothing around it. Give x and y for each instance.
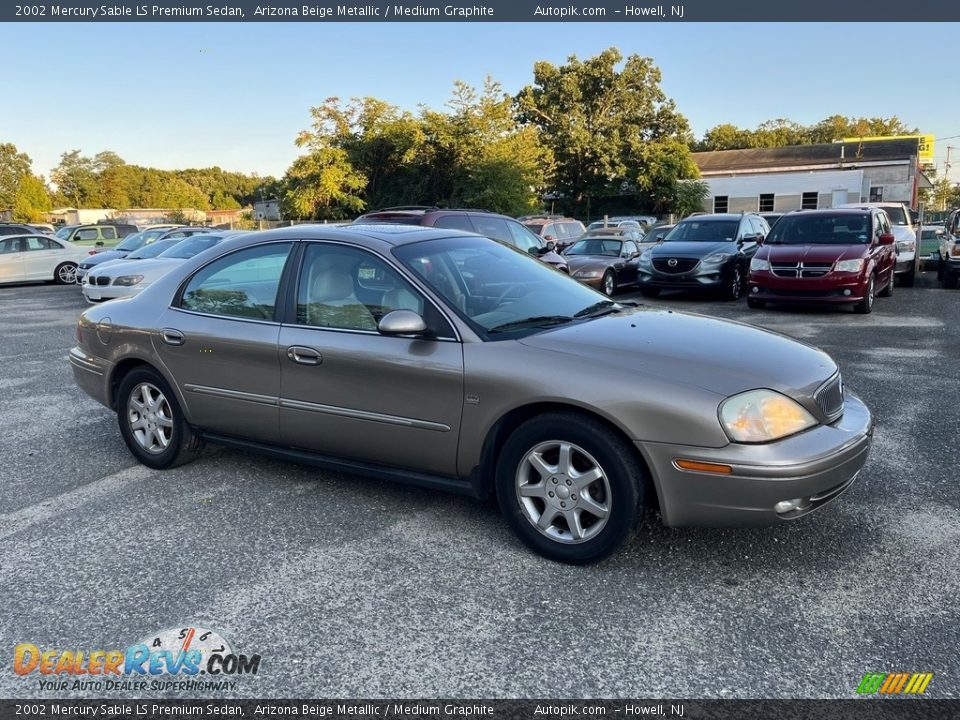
(595, 116)
(32, 200)
(76, 180)
(14, 166)
(781, 132)
(323, 185)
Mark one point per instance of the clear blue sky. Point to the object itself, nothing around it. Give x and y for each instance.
(173, 95)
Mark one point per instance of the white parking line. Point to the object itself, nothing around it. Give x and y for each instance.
(50, 508)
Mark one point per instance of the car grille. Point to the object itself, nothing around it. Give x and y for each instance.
(800, 270)
(829, 397)
(680, 265)
(101, 280)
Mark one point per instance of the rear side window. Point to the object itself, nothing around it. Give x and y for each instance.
(454, 222)
(108, 233)
(243, 284)
(492, 227)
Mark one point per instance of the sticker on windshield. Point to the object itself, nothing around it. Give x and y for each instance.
(862, 238)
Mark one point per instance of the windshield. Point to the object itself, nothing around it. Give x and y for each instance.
(839, 229)
(192, 246)
(896, 214)
(64, 232)
(703, 231)
(154, 249)
(497, 289)
(595, 246)
(132, 242)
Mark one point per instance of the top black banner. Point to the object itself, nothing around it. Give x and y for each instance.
(639, 11)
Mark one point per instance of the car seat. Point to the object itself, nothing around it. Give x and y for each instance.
(332, 303)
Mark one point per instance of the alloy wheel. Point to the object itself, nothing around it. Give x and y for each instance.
(67, 274)
(608, 284)
(563, 492)
(150, 418)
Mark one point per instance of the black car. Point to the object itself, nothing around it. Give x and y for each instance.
(16, 229)
(704, 252)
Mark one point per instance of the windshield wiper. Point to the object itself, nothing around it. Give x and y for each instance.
(604, 307)
(531, 322)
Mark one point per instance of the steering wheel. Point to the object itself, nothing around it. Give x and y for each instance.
(510, 288)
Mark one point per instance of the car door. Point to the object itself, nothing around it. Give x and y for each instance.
(350, 392)
(631, 256)
(885, 256)
(11, 260)
(218, 341)
(748, 240)
(39, 259)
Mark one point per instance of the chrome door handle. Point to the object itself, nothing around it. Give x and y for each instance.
(171, 336)
(304, 355)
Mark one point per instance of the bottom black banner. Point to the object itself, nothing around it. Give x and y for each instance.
(892, 708)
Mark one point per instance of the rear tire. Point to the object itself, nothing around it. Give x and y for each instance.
(535, 476)
(151, 422)
(865, 306)
(65, 274)
(609, 283)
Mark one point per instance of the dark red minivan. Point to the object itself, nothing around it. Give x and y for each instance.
(825, 256)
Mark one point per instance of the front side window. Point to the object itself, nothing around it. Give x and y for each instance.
(522, 238)
(10, 245)
(108, 233)
(88, 234)
(346, 288)
(243, 284)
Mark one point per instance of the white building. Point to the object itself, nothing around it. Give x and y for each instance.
(811, 176)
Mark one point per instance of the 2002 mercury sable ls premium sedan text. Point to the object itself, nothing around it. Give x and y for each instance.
(419, 354)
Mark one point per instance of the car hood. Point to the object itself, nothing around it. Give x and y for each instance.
(150, 268)
(692, 249)
(107, 255)
(812, 253)
(720, 356)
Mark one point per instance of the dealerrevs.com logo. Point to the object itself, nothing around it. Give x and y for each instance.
(198, 659)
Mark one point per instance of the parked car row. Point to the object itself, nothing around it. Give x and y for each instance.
(948, 265)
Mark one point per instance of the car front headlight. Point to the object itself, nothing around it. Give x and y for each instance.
(717, 257)
(587, 274)
(906, 246)
(128, 280)
(760, 416)
(758, 264)
(849, 265)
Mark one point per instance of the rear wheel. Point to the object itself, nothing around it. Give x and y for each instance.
(571, 488)
(888, 288)
(151, 422)
(65, 274)
(866, 304)
(609, 283)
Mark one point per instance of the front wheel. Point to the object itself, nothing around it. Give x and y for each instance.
(570, 487)
(151, 422)
(735, 285)
(65, 274)
(866, 304)
(609, 283)
(888, 288)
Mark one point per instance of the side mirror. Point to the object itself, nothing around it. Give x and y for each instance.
(887, 239)
(402, 322)
(99, 243)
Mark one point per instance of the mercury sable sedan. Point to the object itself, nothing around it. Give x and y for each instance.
(416, 355)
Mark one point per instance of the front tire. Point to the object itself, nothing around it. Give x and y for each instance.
(609, 283)
(735, 285)
(151, 422)
(65, 274)
(888, 288)
(865, 306)
(570, 488)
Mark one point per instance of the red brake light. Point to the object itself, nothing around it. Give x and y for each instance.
(91, 252)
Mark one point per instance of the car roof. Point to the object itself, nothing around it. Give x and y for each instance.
(717, 216)
(849, 210)
(388, 233)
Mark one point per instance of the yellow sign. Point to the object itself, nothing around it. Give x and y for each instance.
(925, 144)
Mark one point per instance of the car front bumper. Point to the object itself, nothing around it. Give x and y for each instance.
(815, 466)
(772, 288)
(906, 262)
(99, 293)
(699, 278)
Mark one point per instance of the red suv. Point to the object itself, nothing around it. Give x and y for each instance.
(825, 256)
(483, 222)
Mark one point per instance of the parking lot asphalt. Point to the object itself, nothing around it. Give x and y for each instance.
(351, 587)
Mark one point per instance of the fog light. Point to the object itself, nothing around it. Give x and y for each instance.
(785, 506)
(755, 289)
(847, 292)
